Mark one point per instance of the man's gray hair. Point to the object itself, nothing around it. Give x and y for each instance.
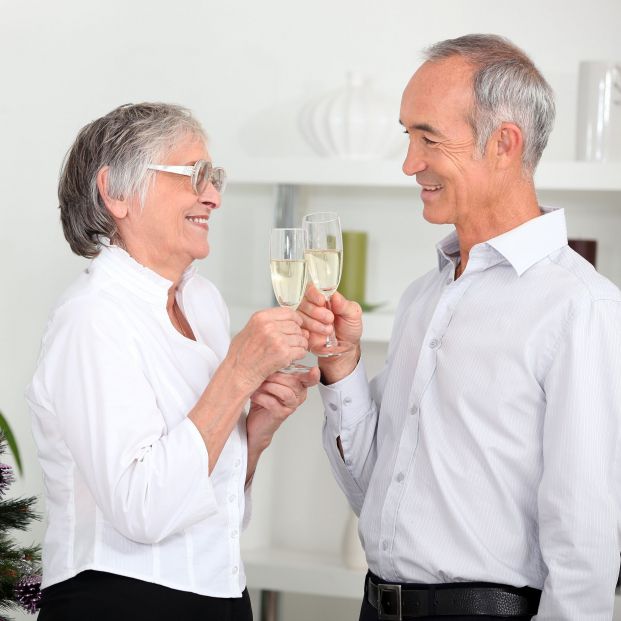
(126, 140)
(507, 87)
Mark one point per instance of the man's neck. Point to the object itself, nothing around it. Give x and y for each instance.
(503, 215)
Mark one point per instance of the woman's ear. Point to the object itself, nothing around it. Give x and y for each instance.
(118, 208)
(510, 145)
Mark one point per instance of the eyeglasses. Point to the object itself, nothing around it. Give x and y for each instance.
(202, 174)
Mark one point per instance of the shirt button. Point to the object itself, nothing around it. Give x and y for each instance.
(233, 534)
(434, 343)
(414, 410)
(235, 570)
(237, 463)
(449, 281)
(400, 477)
(231, 497)
(333, 406)
(347, 400)
(384, 545)
(348, 462)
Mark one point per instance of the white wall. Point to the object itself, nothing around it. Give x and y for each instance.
(244, 68)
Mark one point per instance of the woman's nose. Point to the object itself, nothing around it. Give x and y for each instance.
(210, 196)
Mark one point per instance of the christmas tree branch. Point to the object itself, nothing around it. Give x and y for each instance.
(5, 429)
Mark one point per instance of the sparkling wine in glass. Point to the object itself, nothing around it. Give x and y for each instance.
(288, 269)
(324, 255)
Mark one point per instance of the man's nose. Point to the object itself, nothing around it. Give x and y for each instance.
(414, 161)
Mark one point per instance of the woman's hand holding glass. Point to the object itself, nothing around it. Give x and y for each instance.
(288, 270)
(270, 339)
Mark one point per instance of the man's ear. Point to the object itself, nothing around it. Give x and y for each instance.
(118, 208)
(509, 145)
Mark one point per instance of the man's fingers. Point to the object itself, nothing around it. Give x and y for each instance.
(312, 325)
(314, 295)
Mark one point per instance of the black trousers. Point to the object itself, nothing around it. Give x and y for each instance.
(100, 596)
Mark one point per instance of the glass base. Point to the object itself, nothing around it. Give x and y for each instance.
(331, 349)
(294, 367)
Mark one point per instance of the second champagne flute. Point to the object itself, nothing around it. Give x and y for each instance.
(288, 270)
(324, 255)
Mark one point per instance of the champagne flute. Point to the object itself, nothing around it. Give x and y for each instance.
(324, 255)
(288, 270)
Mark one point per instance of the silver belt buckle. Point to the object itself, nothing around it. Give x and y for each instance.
(389, 602)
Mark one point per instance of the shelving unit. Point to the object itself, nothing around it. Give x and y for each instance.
(562, 176)
(377, 325)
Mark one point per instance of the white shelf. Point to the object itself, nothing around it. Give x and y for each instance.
(377, 325)
(567, 175)
(301, 572)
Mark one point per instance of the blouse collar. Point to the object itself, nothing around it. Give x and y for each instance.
(142, 280)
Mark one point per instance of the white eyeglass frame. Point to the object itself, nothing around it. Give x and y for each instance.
(192, 172)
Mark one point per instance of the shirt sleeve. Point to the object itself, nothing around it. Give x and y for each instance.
(578, 499)
(150, 481)
(351, 414)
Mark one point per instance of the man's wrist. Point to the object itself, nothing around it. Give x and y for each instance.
(339, 367)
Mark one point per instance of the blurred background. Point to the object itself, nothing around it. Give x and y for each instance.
(248, 70)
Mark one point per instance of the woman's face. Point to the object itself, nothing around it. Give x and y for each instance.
(171, 229)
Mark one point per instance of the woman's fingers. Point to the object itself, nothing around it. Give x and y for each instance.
(285, 395)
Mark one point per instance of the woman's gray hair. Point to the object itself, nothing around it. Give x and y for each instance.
(507, 87)
(126, 140)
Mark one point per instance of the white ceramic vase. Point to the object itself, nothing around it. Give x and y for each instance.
(599, 112)
(354, 122)
(351, 550)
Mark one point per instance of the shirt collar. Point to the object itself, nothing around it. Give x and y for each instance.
(142, 280)
(522, 246)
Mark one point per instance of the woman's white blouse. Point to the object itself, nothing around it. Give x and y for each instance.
(127, 483)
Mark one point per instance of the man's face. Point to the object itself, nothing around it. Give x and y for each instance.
(441, 151)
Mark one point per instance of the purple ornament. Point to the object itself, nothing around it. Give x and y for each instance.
(6, 477)
(28, 593)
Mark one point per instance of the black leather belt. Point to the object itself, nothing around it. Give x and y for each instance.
(395, 602)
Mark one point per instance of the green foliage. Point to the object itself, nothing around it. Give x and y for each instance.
(17, 563)
(6, 431)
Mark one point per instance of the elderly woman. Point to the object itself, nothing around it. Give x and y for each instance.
(138, 398)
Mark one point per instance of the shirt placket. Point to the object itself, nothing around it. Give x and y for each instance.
(234, 484)
(425, 368)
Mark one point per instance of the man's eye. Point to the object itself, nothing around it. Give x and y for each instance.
(427, 141)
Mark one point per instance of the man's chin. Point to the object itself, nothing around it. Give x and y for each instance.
(436, 215)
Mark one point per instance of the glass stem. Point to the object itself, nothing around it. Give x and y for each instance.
(331, 338)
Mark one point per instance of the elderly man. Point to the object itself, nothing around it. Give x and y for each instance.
(482, 458)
